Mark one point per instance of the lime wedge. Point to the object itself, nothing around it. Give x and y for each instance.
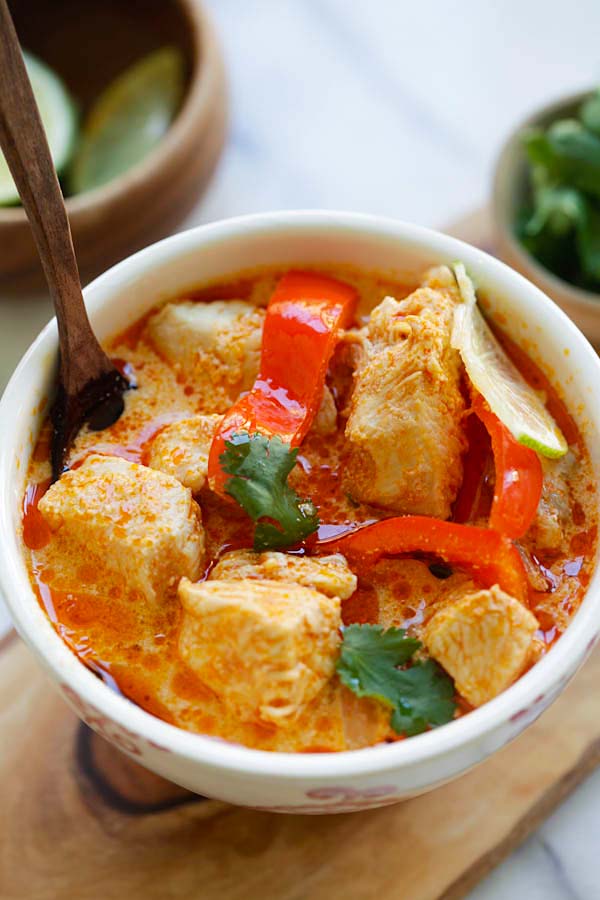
(497, 378)
(128, 120)
(58, 117)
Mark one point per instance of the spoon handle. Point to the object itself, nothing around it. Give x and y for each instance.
(23, 141)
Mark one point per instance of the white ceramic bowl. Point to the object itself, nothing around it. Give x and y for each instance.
(335, 782)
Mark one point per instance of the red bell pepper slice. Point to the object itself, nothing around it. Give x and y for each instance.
(519, 476)
(475, 495)
(486, 554)
(301, 328)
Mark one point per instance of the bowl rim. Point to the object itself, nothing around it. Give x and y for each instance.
(504, 171)
(197, 97)
(550, 673)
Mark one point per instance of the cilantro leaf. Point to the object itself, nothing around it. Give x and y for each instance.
(425, 698)
(419, 696)
(369, 657)
(259, 467)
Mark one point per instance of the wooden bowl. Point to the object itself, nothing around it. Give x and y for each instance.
(510, 186)
(89, 44)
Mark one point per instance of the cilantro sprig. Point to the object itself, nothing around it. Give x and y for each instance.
(420, 696)
(259, 467)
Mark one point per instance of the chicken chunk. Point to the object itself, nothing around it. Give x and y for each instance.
(215, 346)
(325, 422)
(553, 513)
(346, 359)
(182, 449)
(483, 640)
(330, 575)
(265, 648)
(404, 435)
(139, 525)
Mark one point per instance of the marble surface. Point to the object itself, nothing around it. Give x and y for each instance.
(395, 108)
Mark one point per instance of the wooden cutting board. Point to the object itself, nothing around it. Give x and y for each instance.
(79, 820)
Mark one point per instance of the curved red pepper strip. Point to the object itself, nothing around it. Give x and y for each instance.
(487, 555)
(474, 497)
(519, 477)
(300, 332)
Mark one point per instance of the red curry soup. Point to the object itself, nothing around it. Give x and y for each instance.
(311, 529)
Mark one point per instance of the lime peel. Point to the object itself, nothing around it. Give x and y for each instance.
(129, 119)
(59, 118)
(497, 378)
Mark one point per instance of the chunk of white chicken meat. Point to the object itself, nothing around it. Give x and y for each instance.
(554, 511)
(214, 347)
(182, 449)
(330, 575)
(325, 421)
(266, 648)
(404, 435)
(484, 640)
(141, 527)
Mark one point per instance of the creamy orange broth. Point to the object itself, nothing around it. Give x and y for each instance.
(134, 649)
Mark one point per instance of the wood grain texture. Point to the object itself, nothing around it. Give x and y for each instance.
(80, 820)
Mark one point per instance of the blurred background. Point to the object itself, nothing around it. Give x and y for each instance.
(386, 106)
(396, 108)
(383, 107)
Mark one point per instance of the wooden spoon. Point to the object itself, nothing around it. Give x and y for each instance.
(90, 387)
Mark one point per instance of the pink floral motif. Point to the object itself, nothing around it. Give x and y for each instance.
(529, 714)
(529, 710)
(338, 799)
(122, 737)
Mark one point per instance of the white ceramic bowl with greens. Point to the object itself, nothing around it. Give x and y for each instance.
(306, 782)
(511, 191)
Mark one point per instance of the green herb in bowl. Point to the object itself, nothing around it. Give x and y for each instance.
(373, 663)
(259, 467)
(560, 222)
